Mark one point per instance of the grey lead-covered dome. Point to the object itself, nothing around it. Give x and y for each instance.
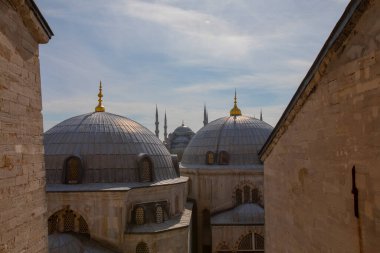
(108, 146)
(241, 137)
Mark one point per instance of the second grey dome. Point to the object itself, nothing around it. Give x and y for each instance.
(241, 137)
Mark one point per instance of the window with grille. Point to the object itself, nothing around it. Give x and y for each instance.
(247, 191)
(142, 247)
(239, 197)
(68, 221)
(246, 243)
(52, 224)
(146, 170)
(250, 243)
(83, 227)
(210, 158)
(259, 242)
(224, 158)
(139, 216)
(159, 214)
(255, 196)
(73, 170)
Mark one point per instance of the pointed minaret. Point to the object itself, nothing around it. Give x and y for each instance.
(205, 116)
(100, 107)
(165, 129)
(261, 114)
(157, 123)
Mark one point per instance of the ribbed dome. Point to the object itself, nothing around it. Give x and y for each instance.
(241, 137)
(108, 146)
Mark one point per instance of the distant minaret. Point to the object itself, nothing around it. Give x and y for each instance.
(261, 114)
(157, 123)
(165, 129)
(205, 116)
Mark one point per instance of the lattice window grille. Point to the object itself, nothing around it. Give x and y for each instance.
(140, 219)
(52, 224)
(73, 170)
(159, 214)
(259, 242)
(146, 173)
(83, 227)
(68, 221)
(142, 248)
(246, 243)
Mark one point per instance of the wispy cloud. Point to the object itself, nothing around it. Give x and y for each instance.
(179, 55)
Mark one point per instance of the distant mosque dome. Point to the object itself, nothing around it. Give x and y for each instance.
(102, 147)
(179, 139)
(232, 140)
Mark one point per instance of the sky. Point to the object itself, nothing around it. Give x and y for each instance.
(179, 55)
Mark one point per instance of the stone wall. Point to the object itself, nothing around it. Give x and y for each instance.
(214, 190)
(309, 206)
(22, 176)
(108, 214)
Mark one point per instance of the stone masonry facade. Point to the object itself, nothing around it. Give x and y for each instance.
(308, 168)
(22, 176)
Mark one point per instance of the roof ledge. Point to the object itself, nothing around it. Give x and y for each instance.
(33, 20)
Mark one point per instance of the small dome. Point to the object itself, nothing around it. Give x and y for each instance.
(240, 136)
(64, 243)
(108, 146)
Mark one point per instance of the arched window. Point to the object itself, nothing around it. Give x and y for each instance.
(67, 220)
(247, 191)
(83, 227)
(139, 215)
(255, 196)
(259, 242)
(145, 168)
(245, 243)
(72, 170)
(159, 214)
(224, 158)
(52, 224)
(239, 197)
(142, 248)
(210, 158)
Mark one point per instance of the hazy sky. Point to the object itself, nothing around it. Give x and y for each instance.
(179, 55)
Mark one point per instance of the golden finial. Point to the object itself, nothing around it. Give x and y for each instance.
(100, 107)
(235, 111)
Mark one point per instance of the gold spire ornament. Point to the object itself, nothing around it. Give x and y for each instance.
(100, 107)
(235, 111)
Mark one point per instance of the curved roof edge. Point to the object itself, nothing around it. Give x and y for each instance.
(341, 31)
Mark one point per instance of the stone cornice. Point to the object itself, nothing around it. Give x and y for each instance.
(33, 20)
